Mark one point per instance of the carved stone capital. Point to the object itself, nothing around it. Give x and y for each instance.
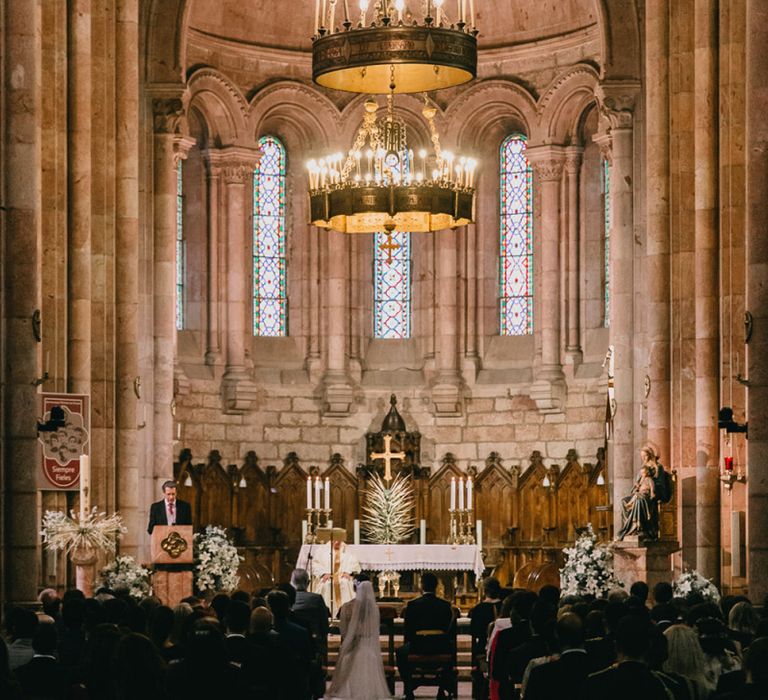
(234, 164)
(338, 395)
(604, 142)
(573, 157)
(616, 100)
(547, 162)
(168, 114)
(447, 396)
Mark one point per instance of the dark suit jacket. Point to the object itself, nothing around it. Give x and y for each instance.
(563, 678)
(43, 678)
(427, 612)
(310, 608)
(157, 514)
(629, 680)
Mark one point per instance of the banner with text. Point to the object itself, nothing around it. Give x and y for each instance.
(63, 435)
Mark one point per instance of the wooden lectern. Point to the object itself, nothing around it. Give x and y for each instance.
(173, 559)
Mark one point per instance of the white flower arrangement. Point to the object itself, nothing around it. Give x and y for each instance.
(693, 582)
(588, 568)
(124, 572)
(217, 560)
(95, 531)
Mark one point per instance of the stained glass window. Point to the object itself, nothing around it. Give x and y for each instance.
(515, 238)
(269, 265)
(180, 261)
(606, 192)
(392, 280)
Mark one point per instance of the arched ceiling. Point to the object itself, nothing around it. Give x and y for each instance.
(288, 25)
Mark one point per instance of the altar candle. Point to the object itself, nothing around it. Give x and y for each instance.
(356, 531)
(479, 536)
(422, 531)
(318, 487)
(330, 524)
(303, 531)
(327, 493)
(453, 493)
(85, 485)
(461, 493)
(469, 493)
(309, 492)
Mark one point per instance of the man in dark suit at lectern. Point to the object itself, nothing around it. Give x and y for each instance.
(169, 511)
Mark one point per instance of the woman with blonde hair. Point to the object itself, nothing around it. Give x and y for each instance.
(686, 658)
(742, 623)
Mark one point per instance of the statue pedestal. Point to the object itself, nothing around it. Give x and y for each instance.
(637, 560)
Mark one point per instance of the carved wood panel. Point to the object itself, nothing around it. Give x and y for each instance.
(215, 501)
(536, 506)
(252, 502)
(439, 519)
(290, 501)
(343, 495)
(572, 499)
(496, 500)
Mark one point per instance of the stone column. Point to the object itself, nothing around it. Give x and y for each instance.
(337, 384)
(548, 391)
(657, 262)
(21, 257)
(707, 285)
(213, 343)
(471, 361)
(79, 195)
(446, 391)
(757, 297)
(168, 114)
(129, 393)
(617, 101)
(573, 156)
(236, 165)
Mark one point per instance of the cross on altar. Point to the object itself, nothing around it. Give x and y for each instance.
(387, 456)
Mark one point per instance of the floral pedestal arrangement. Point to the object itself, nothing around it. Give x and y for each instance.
(588, 568)
(217, 561)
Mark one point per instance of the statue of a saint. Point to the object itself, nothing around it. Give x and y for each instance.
(640, 509)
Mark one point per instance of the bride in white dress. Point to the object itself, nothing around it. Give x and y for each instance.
(359, 673)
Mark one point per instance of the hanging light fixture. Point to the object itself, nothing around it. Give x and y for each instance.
(429, 46)
(382, 183)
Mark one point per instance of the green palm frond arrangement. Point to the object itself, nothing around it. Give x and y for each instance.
(388, 513)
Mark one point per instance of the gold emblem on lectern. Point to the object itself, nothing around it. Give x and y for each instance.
(174, 544)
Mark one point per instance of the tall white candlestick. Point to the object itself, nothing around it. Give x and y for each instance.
(461, 493)
(317, 16)
(356, 531)
(330, 523)
(318, 487)
(453, 493)
(309, 492)
(422, 531)
(479, 536)
(472, 13)
(327, 493)
(85, 485)
(469, 493)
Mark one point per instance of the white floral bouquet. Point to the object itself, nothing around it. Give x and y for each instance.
(693, 582)
(217, 560)
(588, 568)
(124, 572)
(95, 531)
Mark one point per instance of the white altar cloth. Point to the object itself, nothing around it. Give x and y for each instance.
(408, 557)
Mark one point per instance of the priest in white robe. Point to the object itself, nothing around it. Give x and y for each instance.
(334, 568)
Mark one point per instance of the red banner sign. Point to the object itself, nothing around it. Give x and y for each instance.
(63, 434)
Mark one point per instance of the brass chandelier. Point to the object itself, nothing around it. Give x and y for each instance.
(382, 183)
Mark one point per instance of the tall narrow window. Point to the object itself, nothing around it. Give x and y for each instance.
(392, 278)
(180, 258)
(515, 238)
(269, 265)
(392, 286)
(605, 177)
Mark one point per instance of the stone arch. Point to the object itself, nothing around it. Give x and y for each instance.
(221, 105)
(484, 107)
(563, 103)
(619, 22)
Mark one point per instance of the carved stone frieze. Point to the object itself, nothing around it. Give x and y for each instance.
(234, 164)
(547, 162)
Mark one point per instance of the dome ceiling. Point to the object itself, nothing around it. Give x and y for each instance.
(288, 25)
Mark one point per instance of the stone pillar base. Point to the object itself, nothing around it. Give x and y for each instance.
(447, 398)
(238, 391)
(549, 395)
(635, 560)
(338, 396)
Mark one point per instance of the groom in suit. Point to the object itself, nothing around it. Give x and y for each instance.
(169, 511)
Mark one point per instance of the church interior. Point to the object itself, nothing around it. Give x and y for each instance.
(169, 255)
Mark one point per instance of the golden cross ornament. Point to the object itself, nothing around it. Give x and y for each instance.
(387, 456)
(389, 247)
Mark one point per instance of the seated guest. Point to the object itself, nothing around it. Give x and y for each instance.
(484, 613)
(266, 669)
(742, 623)
(541, 643)
(507, 639)
(756, 667)
(630, 678)
(237, 620)
(51, 602)
(139, 669)
(686, 659)
(72, 632)
(43, 676)
(22, 625)
(296, 640)
(639, 589)
(9, 686)
(427, 612)
(663, 593)
(721, 661)
(160, 626)
(97, 660)
(566, 676)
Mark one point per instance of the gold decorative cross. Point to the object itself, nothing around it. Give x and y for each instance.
(389, 247)
(387, 456)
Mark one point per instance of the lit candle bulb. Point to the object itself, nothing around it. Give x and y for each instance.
(363, 10)
(399, 6)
